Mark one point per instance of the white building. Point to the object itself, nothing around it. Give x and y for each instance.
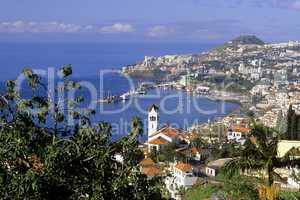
(182, 177)
(162, 137)
(152, 120)
(158, 138)
(237, 134)
(213, 167)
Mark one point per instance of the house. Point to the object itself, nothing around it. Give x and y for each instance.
(237, 134)
(182, 177)
(158, 138)
(199, 153)
(149, 168)
(183, 174)
(213, 167)
(286, 145)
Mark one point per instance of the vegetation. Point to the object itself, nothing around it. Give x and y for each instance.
(155, 74)
(238, 188)
(293, 125)
(289, 196)
(247, 39)
(229, 150)
(281, 124)
(198, 142)
(260, 156)
(242, 40)
(201, 192)
(36, 162)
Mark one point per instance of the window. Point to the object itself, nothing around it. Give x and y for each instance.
(152, 118)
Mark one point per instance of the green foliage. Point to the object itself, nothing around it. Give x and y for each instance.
(198, 142)
(229, 150)
(289, 196)
(293, 125)
(247, 39)
(238, 188)
(200, 192)
(281, 124)
(66, 70)
(169, 152)
(260, 154)
(37, 163)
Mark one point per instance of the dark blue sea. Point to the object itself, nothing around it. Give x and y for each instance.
(92, 64)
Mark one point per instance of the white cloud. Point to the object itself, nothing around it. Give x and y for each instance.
(57, 27)
(160, 31)
(117, 28)
(38, 27)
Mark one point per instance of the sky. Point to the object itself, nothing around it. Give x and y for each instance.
(203, 21)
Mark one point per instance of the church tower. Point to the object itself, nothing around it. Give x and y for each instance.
(152, 120)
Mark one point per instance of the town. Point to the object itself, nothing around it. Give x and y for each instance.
(263, 78)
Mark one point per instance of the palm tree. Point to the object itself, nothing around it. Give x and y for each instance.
(198, 142)
(136, 127)
(260, 154)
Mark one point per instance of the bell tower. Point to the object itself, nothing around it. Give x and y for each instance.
(152, 120)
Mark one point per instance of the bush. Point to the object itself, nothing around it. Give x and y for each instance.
(289, 196)
(200, 192)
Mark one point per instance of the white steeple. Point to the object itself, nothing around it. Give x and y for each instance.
(152, 120)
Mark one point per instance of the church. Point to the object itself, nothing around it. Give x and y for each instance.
(158, 138)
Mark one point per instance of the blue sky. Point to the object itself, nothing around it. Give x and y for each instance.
(203, 21)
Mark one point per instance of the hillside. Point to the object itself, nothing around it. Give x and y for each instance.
(241, 40)
(246, 39)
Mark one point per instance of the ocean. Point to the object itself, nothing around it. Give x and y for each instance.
(92, 64)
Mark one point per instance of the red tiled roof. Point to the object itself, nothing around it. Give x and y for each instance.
(240, 129)
(183, 166)
(158, 141)
(151, 171)
(147, 162)
(168, 131)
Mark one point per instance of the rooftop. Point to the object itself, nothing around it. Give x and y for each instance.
(168, 131)
(240, 129)
(218, 163)
(147, 162)
(158, 141)
(183, 167)
(151, 171)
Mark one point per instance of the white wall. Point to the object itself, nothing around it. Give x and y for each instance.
(210, 171)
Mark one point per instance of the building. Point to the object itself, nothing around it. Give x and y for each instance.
(199, 153)
(182, 177)
(237, 134)
(162, 137)
(149, 168)
(158, 138)
(286, 145)
(152, 120)
(213, 167)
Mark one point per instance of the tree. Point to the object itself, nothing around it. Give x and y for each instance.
(36, 162)
(293, 132)
(198, 142)
(281, 124)
(169, 152)
(260, 154)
